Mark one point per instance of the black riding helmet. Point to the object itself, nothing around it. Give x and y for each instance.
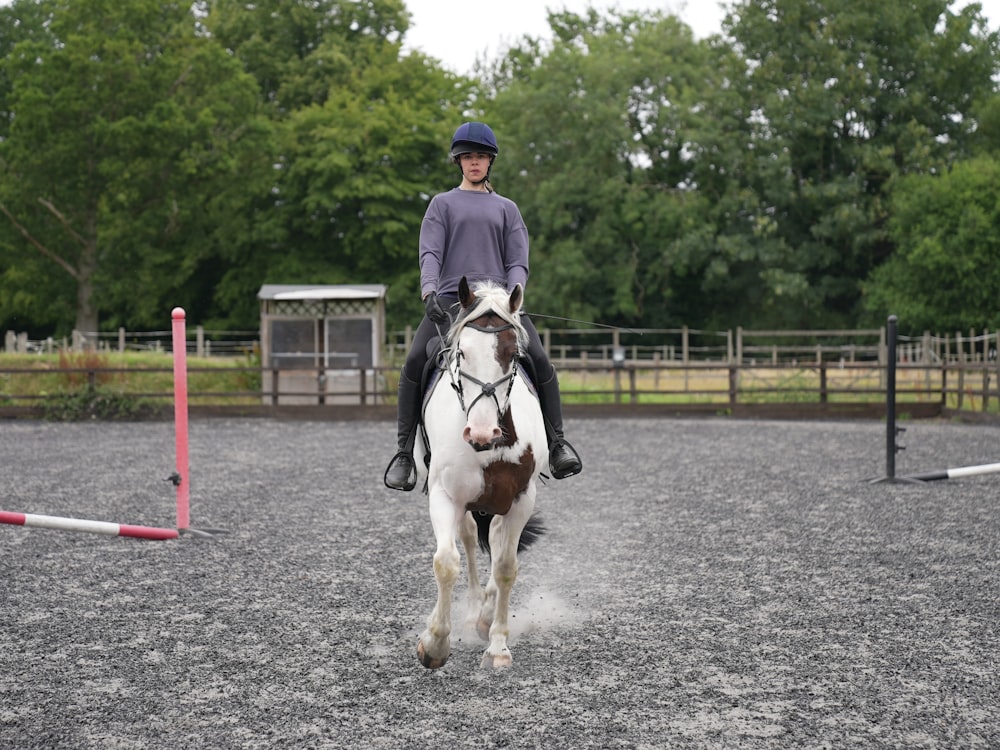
(472, 138)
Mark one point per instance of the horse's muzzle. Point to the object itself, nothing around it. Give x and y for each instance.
(483, 439)
(480, 447)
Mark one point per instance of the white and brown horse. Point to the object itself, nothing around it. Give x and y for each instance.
(487, 443)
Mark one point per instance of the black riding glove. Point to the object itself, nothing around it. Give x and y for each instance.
(435, 312)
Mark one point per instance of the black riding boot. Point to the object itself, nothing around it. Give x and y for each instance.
(401, 474)
(564, 461)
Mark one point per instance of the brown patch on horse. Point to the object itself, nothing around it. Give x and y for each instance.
(506, 344)
(506, 348)
(502, 482)
(508, 429)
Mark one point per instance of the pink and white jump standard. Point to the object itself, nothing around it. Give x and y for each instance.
(180, 478)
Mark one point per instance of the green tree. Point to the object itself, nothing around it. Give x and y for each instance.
(363, 133)
(294, 48)
(944, 275)
(598, 147)
(842, 97)
(129, 135)
(987, 117)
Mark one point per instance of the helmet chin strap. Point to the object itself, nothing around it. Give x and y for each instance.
(484, 182)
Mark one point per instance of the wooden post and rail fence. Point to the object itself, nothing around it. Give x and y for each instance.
(675, 371)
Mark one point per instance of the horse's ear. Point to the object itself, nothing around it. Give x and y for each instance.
(516, 298)
(464, 293)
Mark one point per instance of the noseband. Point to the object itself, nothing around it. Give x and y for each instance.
(488, 390)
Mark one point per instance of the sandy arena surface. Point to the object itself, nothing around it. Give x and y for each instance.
(705, 583)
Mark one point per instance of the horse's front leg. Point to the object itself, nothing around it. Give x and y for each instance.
(504, 537)
(469, 534)
(434, 645)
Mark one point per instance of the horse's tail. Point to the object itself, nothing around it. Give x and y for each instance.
(529, 535)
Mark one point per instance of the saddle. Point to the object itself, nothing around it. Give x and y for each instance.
(433, 368)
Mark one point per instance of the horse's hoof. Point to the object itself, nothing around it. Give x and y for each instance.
(498, 661)
(429, 661)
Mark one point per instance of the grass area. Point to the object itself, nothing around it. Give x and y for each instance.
(773, 385)
(711, 385)
(131, 380)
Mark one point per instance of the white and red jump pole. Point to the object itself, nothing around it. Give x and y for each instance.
(95, 527)
(180, 478)
(956, 473)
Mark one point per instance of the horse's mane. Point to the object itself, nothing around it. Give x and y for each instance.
(491, 297)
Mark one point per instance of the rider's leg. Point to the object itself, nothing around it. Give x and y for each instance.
(401, 474)
(563, 458)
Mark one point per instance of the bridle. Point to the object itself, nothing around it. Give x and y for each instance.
(486, 390)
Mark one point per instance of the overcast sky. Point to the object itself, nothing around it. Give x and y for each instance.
(456, 32)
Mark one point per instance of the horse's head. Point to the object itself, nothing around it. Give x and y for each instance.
(487, 338)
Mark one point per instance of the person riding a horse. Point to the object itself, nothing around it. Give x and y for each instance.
(471, 231)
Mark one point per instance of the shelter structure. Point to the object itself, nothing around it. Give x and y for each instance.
(321, 344)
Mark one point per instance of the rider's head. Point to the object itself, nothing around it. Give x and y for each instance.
(474, 138)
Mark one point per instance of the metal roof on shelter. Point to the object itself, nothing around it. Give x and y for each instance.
(321, 292)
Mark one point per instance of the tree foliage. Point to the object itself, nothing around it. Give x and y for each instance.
(127, 135)
(944, 274)
(363, 133)
(737, 180)
(597, 138)
(802, 169)
(845, 96)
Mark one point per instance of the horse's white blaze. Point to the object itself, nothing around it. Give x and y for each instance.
(456, 479)
(482, 426)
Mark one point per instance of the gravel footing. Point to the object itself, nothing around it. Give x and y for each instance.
(705, 583)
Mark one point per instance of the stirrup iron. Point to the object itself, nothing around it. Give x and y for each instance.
(411, 478)
(563, 443)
